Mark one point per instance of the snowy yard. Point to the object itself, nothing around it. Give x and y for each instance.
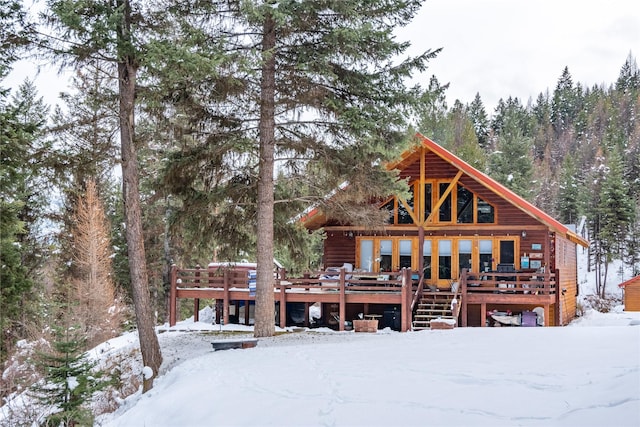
(587, 374)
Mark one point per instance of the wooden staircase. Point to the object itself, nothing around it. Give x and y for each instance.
(433, 305)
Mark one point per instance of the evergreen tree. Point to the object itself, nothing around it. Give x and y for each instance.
(464, 141)
(70, 380)
(432, 118)
(317, 91)
(480, 121)
(23, 201)
(543, 136)
(569, 189)
(108, 31)
(616, 207)
(511, 162)
(563, 103)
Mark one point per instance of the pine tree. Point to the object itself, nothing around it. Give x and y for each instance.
(23, 197)
(511, 162)
(569, 189)
(616, 207)
(70, 380)
(564, 103)
(432, 118)
(108, 31)
(480, 121)
(317, 90)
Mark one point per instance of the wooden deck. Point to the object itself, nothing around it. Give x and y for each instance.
(509, 289)
(342, 289)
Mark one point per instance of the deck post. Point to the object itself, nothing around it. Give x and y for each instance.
(483, 314)
(343, 308)
(463, 296)
(557, 315)
(283, 306)
(405, 313)
(225, 298)
(173, 274)
(196, 301)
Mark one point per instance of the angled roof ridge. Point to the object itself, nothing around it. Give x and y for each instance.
(633, 280)
(498, 188)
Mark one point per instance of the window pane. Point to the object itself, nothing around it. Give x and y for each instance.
(427, 200)
(485, 212)
(465, 206)
(507, 255)
(403, 214)
(445, 208)
(464, 255)
(464, 246)
(385, 255)
(405, 253)
(486, 251)
(444, 259)
(366, 255)
(426, 259)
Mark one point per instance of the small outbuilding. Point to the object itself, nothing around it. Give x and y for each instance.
(631, 294)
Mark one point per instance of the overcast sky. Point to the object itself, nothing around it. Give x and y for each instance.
(503, 48)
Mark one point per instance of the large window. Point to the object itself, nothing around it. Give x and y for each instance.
(464, 255)
(426, 259)
(485, 212)
(428, 194)
(461, 205)
(444, 259)
(365, 261)
(386, 255)
(403, 215)
(485, 254)
(465, 206)
(445, 207)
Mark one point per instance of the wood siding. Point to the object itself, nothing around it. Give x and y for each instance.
(338, 249)
(632, 294)
(567, 265)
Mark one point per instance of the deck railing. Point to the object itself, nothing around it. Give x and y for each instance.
(513, 282)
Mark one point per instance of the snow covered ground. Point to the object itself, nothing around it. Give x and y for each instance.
(587, 374)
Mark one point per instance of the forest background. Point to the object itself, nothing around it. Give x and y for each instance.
(574, 152)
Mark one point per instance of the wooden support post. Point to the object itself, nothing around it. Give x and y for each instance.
(247, 309)
(557, 315)
(405, 313)
(307, 321)
(343, 308)
(483, 314)
(196, 301)
(547, 321)
(173, 275)
(283, 306)
(225, 298)
(463, 307)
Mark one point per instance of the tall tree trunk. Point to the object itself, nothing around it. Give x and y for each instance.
(264, 316)
(149, 346)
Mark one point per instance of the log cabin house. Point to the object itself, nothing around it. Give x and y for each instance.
(462, 248)
(470, 239)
